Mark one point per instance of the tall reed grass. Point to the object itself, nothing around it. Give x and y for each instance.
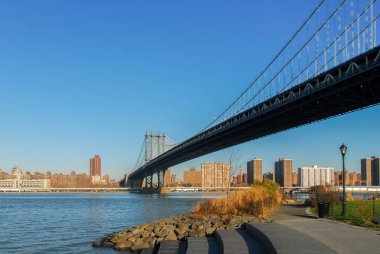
(258, 201)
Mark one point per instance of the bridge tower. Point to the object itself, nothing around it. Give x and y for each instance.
(154, 147)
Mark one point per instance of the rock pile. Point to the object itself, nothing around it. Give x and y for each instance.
(174, 228)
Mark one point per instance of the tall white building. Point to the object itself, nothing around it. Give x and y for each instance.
(216, 174)
(312, 176)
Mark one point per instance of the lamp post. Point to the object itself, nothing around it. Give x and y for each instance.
(343, 150)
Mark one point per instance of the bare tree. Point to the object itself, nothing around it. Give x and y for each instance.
(232, 156)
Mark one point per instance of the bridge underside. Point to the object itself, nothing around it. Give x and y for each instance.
(135, 183)
(351, 86)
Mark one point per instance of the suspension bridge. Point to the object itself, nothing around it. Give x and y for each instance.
(329, 66)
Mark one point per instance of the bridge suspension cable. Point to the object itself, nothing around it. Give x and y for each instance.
(329, 36)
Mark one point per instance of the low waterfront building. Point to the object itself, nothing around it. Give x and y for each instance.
(240, 179)
(167, 178)
(234, 181)
(283, 169)
(294, 178)
(59, 180)
(352, 178)
(19, 183)
(192, 177)
(254, 170)
(174, 181)
(268, 175)
(312, 176)
(370, 171)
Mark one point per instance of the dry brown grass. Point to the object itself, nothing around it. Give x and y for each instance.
(257, 201)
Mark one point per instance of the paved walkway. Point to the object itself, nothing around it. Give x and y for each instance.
(340, 237)
(281, 239)
(289, 212)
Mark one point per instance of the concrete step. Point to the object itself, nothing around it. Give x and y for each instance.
(238, 242)
(203, 245)
(279, 239)
(172, 247)
(147, 251)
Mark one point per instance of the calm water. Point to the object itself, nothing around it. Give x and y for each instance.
(69, 223)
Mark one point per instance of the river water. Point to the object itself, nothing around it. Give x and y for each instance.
(69, 223)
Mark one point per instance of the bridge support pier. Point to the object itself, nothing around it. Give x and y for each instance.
(161, 178)
(148, 181)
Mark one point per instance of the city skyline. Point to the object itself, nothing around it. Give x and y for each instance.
(56, 83)
(242, 166)
(304, 176)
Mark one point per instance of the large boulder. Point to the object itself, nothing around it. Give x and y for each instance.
(140, 246)
(171, 236)
(144, 234)
(132, 239)
(137, 231)
(107, 244)
(181, 230)
(123, 245)
(138, 241)
(97, 244)
(157, 228)
(210, 230)
(162, 233)
(114, 239)
(144, 226)
(198, 232)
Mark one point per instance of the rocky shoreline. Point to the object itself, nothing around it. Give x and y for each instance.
(179, 228)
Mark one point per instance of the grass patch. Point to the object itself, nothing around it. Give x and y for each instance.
(359, 212)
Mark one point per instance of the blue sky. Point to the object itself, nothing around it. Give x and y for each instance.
(79, 78)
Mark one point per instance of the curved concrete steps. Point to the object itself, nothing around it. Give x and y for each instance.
(172, 247)
(256, 238)
(224, 242)
(202, 245)
(238, 242)
(280, 239)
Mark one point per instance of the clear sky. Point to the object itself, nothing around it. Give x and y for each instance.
(79, 78)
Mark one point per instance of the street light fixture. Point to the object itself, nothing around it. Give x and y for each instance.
(343, 150)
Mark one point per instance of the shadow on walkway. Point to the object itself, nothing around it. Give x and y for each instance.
(253, 245)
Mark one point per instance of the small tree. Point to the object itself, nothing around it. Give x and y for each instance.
(323, 194)
(272, 188)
